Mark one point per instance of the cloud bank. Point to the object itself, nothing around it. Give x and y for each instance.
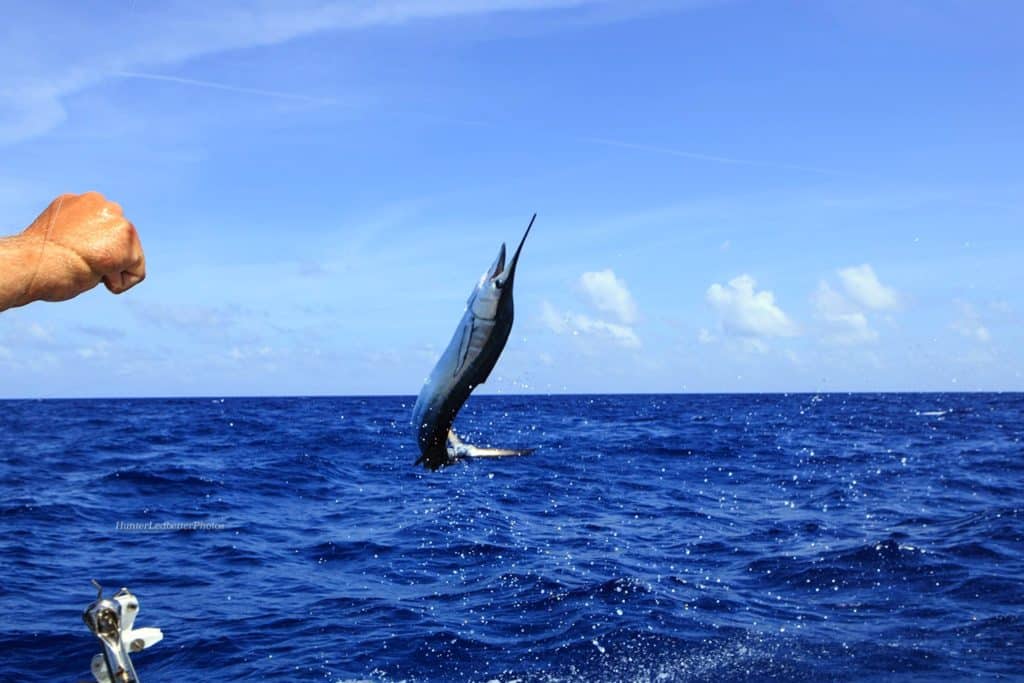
(606, 293)
(969, 323)
(845, 314)
(862, 285)
(845, 324)
(747, 313)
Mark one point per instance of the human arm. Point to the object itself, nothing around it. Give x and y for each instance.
(76, 243)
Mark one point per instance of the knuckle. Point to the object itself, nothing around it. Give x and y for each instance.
(124, 232)
(86, 199)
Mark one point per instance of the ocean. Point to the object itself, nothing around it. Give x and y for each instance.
(649, 538)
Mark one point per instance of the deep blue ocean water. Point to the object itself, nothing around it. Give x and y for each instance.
(650, 538)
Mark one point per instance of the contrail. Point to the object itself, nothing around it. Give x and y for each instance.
(467, 122)
(224, 86)
(709, 157)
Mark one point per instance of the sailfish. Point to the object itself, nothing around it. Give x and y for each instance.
(465, 364)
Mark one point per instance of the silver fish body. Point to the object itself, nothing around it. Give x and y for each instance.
(469, 358)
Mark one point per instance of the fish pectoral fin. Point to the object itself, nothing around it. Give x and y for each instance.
(464, 343)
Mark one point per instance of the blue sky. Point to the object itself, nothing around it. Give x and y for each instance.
(732, 196)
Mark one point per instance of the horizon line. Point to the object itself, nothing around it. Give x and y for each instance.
(186, 397)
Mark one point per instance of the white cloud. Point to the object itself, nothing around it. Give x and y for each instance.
(862, 285)
(621, 334)
(555, 321)
(753, 345)
(829, 302)
(609, 294)
(28, 334)
(704, 336)
(853, 328)
(189, 317)
(101, 349)
(249, 352)
(845, 313)
(385, 357)
(1001, 306)
(38, 332)
(580, 325)
(969, 323)
(847, 324)
(746, 312)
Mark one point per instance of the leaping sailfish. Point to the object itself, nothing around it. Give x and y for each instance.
(465, 364)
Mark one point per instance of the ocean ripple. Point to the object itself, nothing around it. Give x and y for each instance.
(649, 538)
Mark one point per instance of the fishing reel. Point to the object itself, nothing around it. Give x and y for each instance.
(112, 620)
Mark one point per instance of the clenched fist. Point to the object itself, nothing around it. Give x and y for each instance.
(77, 242)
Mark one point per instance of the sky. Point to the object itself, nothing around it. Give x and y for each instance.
(731, 196)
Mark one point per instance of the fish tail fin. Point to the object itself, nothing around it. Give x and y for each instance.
(453, 440)
(457, 448)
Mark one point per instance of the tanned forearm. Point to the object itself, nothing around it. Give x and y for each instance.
(19, 256)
